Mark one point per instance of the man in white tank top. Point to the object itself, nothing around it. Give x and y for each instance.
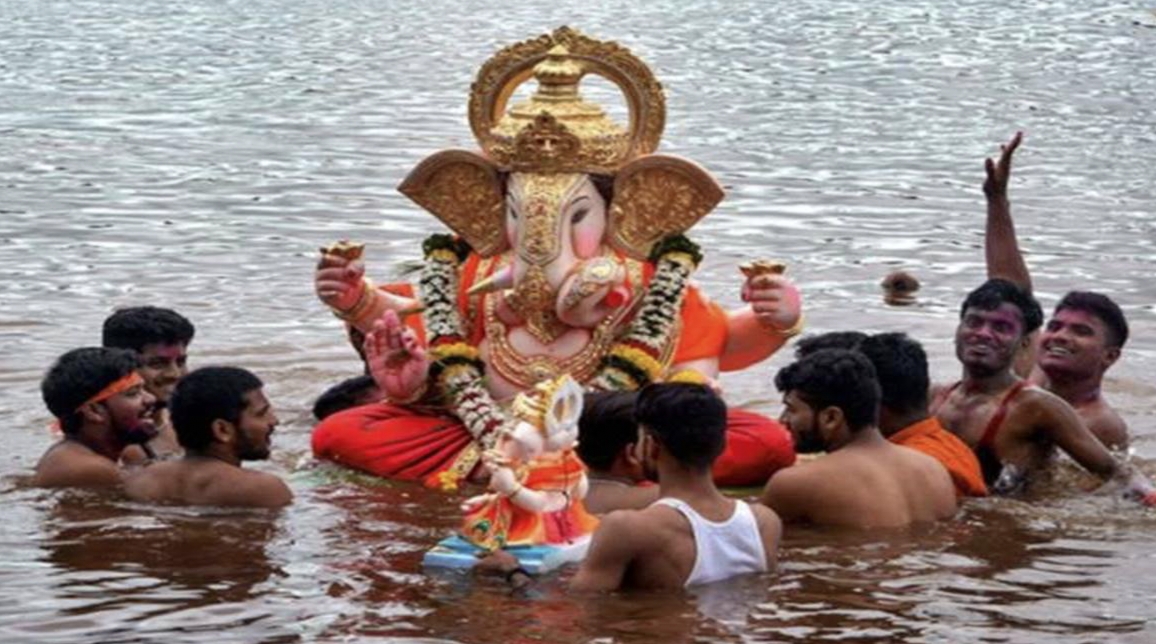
(693, 534)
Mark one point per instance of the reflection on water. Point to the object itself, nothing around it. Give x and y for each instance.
(196, 154)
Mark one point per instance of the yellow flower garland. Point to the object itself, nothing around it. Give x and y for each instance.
(638, 358)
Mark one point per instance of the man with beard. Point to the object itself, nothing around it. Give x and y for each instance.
(161, 337)
(100, 401)
(693, 534)
(1013, 427)
(1087, 330)
(830, 404)
(222, 417)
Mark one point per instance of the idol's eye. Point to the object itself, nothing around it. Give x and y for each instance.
(579, 216)
(513, 212)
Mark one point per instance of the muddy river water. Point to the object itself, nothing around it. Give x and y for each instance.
(196, 154)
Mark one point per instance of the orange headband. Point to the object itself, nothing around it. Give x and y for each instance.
(116, 387)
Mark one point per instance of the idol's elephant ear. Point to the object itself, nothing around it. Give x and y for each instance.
(464, 190)
(656, 196)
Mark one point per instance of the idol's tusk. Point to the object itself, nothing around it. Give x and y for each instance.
(413, 310)
(500, 280)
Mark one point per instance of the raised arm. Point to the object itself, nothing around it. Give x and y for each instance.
(773, 316)
(340, 283)
(1001, 249)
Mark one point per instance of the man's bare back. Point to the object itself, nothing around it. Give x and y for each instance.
(659, 544)
(877, 485)
(196, 480)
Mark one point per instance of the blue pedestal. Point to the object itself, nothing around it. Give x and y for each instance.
(455, 552)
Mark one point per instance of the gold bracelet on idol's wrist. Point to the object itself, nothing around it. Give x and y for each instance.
(365, 301)
(795, 329)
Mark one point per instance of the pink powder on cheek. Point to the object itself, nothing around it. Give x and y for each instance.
(586, 242)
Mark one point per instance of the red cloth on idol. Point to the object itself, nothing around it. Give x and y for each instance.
(401, 443)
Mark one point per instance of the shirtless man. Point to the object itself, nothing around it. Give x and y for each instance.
(693, 534)
(161, 337)
(831, 401)
(904, 416)
(101, 404)
(607, 435)
(1087, 330)
(1015, 428)
(222, 418)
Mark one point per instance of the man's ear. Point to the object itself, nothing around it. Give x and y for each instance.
(630, 456)
(1111, 355)
(93, 412)
(830, 419)
(223, 431)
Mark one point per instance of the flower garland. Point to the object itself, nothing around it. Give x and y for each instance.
(636, 359)
(455, 368)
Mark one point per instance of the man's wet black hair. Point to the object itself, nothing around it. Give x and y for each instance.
(344, 395)
(206, 395)
(606, 426)
(994, 292)
(689, 421)
(835, 378)
(830, 340)
(138, 326)
(901, 367)
(1103, 308)
(79, 375)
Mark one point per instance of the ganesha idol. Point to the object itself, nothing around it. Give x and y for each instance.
(534, 508)
(568, 256)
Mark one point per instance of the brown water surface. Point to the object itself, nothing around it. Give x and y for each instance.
(196, 154)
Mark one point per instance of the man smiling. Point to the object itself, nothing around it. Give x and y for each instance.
(1087, 330)
(102, 407)
(161, 337)
(1013, 427)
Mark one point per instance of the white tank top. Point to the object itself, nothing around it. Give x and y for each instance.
(724, 549)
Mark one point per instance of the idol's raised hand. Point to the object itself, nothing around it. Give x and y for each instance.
(775, 300)
(396, 359)
(339, 280)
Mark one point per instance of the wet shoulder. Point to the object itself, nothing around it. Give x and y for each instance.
(1105, 424)
(238, 487)
(155, 482)
(67, 464)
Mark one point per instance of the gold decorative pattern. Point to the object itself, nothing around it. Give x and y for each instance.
(657, 196)
(542, 199)
(556, 130)
(533, 300)
(464, 191)
(526, 371)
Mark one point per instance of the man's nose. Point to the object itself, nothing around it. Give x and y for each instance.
(983, 330)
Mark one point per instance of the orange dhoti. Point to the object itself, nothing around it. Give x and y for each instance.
(411, 444)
